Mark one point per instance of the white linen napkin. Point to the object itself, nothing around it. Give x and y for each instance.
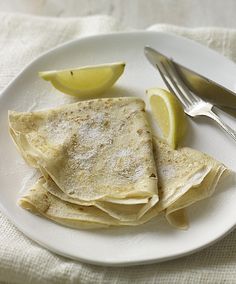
(22, 38)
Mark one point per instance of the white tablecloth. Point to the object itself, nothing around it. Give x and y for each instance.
(22, 38)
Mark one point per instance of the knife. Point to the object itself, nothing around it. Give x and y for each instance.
(198, 84)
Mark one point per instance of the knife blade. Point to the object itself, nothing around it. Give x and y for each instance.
(201, 86)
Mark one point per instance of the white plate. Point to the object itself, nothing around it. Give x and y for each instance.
(152, 242)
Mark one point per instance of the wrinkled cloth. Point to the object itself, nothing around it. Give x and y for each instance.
(23, 38)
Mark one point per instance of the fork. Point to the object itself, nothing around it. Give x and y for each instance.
(193, 105)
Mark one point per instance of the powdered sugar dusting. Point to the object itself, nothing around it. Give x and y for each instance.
(138, 173)
(93, 132)
(85, 156)
(58, 132)
(99, 117)
(124, 152)
(127, 163)
(91, 136)
(88, 132)
(168, 171)
(83, 159)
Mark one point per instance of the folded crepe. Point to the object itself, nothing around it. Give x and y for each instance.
(93, 150)
(92, 153)
(185, 176)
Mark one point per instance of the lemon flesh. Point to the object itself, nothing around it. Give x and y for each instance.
(169, 114)
(85, 81)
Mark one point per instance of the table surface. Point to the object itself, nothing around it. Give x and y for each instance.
(135, 13)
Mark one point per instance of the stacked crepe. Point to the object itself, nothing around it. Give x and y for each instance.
(101, 166)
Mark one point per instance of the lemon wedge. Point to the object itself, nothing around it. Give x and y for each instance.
(85, 81)
(169, 115)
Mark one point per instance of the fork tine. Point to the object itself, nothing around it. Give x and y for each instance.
(164, 78)
(180, 82)
(168, 84)
(175, 82)
(172, 86)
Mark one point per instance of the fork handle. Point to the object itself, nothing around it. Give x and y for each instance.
(226, 127)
